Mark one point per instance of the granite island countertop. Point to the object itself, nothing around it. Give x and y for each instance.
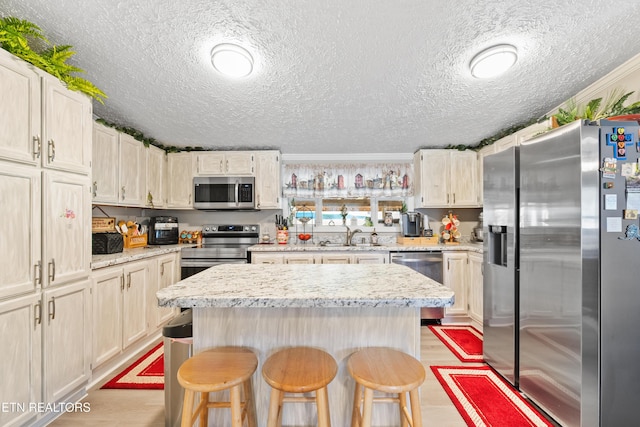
(310, 285)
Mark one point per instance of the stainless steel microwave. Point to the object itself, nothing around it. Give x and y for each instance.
(221, 192)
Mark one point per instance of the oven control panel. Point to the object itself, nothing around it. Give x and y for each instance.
(212, 229)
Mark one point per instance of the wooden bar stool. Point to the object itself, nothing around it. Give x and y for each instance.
(388, 371)
(219, 369)
(299, 370)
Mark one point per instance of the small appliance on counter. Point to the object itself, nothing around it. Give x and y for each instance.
(412, 224)
(163, 230)
(477, 233)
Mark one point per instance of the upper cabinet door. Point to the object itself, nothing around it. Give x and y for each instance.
(66, 221)
(268, 179)
(19, 110)
(224, 163)
(20, 212)
(68, 126)
(179, 181)
(435, 178)
(464, 179)
(156, 161)
(105, 165)
(133, 177)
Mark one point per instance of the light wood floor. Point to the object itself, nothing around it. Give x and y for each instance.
(137, 408)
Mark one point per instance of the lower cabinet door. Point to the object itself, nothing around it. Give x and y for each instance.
(134, 314)
(20, 358)
(108, 288)
(66, 339)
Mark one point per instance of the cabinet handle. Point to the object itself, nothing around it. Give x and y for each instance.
(448, 264)
(454, 198)
(123, 192)
(95, 188)
(162, 269)
(221, 166)
(37, 147)
(447, 199)
(122, 283)
(37, 313)
(52, 150)
(52, 308)
(37, 273)
(128, 280)
(227, 169)
(52, 270)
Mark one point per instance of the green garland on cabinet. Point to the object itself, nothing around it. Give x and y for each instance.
(136, 134)
(17, 37)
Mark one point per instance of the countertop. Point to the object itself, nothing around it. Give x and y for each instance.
(310, 285)
(472, 247)
(100, 261)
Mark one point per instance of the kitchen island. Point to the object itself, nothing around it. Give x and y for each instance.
(338, 308)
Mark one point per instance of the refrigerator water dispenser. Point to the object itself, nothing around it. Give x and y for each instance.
(498, 245)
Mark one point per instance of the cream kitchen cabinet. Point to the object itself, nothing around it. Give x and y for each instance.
(324, 257)
(119, 308)
(20, 208)
(268, 185)
(65, 311)
(166, 270)
(105, 172)
(66, 228)
(20, 109)
(299, 258)
(179, 181)
(133, 176)
(224, 163)
(482, 153)
(475, 287)
(21, 357)
(266, 258)
(454, 276)
(446, 178)
(154, 194)
(44, 123)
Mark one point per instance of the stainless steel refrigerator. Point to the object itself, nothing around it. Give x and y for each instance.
(562, 279)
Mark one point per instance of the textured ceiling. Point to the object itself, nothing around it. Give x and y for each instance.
(334, 76)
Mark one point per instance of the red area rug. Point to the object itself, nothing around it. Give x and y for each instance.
(483, 398)
(464, 341)
(145, 373)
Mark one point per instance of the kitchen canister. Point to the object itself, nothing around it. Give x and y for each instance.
(282, 237)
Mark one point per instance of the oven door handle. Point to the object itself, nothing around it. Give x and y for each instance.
(236, 192)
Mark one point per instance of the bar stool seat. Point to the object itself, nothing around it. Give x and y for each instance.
(388, 371)
(299, 370)
(219, 369)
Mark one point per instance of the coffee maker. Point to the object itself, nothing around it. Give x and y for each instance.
(412, 224)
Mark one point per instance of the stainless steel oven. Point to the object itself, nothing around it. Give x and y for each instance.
(221, 244)
(428, 263)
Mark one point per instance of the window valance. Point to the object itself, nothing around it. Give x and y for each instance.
(307, 180)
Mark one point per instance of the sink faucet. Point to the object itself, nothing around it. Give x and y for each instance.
(350, 235)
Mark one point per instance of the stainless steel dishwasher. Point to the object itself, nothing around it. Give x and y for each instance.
(428, 263)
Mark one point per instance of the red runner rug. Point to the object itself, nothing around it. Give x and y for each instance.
(483, 398)
(464, 341)
(145, 373)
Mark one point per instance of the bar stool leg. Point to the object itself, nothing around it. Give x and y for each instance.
(402, 405)
(204, 411)
(415, 408)
(187, 408)
(275, 408)
(236, 406)
(322, 402)
(356, 418)
(250, 404)
(367, 407)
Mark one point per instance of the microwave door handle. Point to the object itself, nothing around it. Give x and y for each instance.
(236, 192)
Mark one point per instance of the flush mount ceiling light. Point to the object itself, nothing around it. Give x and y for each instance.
(232, 60)
(493, 61)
